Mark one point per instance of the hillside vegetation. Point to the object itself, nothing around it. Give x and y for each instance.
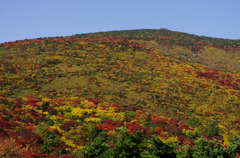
(142, 93)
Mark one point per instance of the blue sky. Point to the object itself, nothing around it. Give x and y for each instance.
(27, 19)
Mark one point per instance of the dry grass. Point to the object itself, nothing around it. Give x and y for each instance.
(210, 56)
(220, 59)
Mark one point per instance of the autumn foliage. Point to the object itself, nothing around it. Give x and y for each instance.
(111, 94)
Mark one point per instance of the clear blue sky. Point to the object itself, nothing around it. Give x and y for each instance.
(27, 19)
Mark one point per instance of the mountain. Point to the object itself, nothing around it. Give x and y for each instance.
(142, 93)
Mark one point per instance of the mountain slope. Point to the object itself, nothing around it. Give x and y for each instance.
(222, 54)
(158, 82)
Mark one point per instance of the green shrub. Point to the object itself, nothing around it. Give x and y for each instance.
(97, 147)
(159, 149)
(193, 121)
(48, 136)
(208, 149)
(130, 145)
(130, 114)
